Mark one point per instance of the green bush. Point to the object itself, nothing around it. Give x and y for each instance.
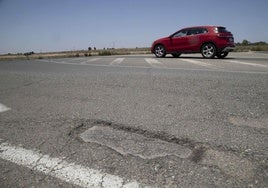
(105, 53)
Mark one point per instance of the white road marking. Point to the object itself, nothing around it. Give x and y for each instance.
(90, 60)
(173, 68)
(117, 61)
(245, 63)
(3, 108)
(199, 63)
(154, 63)
(56, 167)
(53, 61)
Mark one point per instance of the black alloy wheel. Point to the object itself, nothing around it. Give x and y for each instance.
(160, 51)
(208, 51)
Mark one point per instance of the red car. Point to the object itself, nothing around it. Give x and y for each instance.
(210, 41)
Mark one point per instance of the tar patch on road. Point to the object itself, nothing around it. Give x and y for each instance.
(145, 144)
(132, 143)
(157, 141)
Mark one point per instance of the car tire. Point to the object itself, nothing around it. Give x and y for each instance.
(176, 55)
(208, 50)
(222, 55)
(159, 51)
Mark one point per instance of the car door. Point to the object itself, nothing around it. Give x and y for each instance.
(179, 41)
(194, 39)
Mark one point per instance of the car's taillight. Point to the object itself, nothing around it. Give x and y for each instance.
(226, 34)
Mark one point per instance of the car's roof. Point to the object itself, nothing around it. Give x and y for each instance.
(203, 26)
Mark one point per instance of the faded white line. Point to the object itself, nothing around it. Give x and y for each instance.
(199, 63)
(53, 61)
(117, 61)
(90, 60)
(154, 63)
(61, 169)
(76, 58)
(164, 68)
(4, 108)
(245, 63)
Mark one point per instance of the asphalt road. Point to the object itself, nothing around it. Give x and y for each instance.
(134, 121)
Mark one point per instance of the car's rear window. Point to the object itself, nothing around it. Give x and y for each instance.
(221, 30)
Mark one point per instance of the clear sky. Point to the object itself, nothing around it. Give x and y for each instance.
(59, 25)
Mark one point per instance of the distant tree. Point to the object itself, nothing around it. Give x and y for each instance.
(245, 42)
(95, 48)
(89, 48)
(28, 53)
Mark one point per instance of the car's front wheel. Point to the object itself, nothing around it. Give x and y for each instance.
(160, 51)
(208, 50)
(222, 55)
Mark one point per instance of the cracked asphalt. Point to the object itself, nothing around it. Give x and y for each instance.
(221, 116)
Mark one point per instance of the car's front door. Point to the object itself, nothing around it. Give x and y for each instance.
(179, 41)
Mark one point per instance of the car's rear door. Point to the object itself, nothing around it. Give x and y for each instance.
(196, 36)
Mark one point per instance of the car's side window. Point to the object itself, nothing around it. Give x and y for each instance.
(198, 31)
(186, 32)
(204, 31)
(181, 33)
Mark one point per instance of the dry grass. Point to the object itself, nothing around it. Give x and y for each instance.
(80, 53)
(241, 48)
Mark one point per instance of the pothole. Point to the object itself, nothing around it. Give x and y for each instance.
(145, 144)
(125, 142)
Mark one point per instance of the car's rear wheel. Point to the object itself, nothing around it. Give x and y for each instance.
(160, 51)
(222, 55)
(208, 50)
(176, 55)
